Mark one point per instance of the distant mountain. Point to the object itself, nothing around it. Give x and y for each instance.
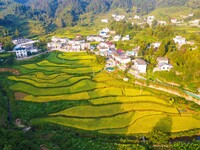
(102, 6)
(51, 14)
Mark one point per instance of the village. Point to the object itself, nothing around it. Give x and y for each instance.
(128, 60)
(125, 60)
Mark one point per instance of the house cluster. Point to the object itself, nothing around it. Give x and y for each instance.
(195, 23)
(179, 40)
(163, 64)
(150, 20)
(67, 45)
(121, 59)
(23, 47)
(176, 21)
(136, 17)
(186, 16)
(104, 34)
(118, 17)
(95, 38)
(155, 45)
(119, 37)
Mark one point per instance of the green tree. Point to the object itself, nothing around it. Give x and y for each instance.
(42, 44)
(5, 32)
(7, 43)
(17, 33)
(154, 23)
(158, 137)
(7, 147)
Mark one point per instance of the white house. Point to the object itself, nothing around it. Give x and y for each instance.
(116, 38)
(104, 20)
(104, 32)
(150, 19)
(102, 44)
(162, 60)
(61, 40)
(123, 60)
(113, 15)
(21, 52)
(118, 17)
(112, 32)
(190, 15)
(104, 47)
(162, 23)
(164, 66)
(179, 40)
(72, 46)
(23, 46)
(55, 45)
(103, 51)
(110, 45)
(126, 38)
(76, 46)
(140, 65)
(156, 45)
(120, 59)
(95, 38)
(85, 46)
(195, 22)
(136, 51)
(130, 53)
(174, 20)
(21, 40)
(136, 17)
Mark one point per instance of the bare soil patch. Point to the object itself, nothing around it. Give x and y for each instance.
(19, 95)
(14, 71)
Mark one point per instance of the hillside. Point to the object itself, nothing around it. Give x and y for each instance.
(29, 16)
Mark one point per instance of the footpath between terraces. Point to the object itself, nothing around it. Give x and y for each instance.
(168, 89)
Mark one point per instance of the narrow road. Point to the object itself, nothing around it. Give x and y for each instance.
(170, 90)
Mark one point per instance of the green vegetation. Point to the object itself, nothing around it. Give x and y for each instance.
(111, 100)
(92, 99)
(71, 102)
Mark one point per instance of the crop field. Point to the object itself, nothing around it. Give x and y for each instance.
(93, 99)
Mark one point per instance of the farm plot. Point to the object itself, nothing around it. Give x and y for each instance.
(97, 101)
(118, 121)
(72, 97)
(63, 82)
(81, 86)
(146, 123)
(124, 99)
(115, 109)
(73, 56)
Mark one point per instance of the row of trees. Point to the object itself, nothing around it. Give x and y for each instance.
(7, 43)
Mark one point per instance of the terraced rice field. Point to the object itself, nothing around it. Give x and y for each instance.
(111, 106)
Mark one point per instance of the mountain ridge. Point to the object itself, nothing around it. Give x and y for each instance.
(53, 14)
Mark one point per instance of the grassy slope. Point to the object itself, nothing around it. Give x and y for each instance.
(171, 12)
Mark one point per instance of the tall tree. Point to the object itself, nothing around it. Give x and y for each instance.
(17, 33)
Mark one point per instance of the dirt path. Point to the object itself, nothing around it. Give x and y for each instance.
(171, 91)
(14, 71)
